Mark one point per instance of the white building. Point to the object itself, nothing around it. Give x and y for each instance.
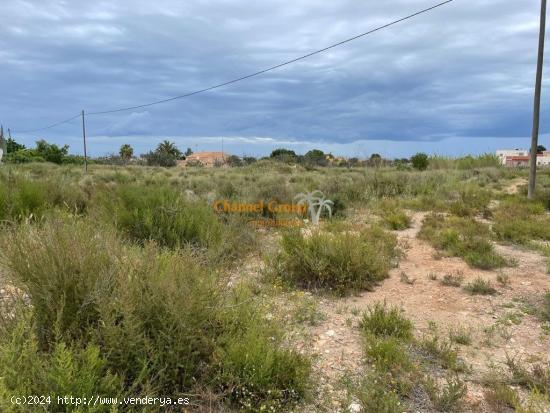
(520, 157)
(543, 159)
(502, 154)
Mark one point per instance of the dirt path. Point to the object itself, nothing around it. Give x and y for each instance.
(514, 185)
(500, 324)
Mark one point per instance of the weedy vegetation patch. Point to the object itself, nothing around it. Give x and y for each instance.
(337, 262)
(462, 237)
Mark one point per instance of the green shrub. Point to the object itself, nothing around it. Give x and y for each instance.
(160, 328)
(470, 200)
(64, 267)
(521, 221)
(386, 322)
(155, 318)
(393, 216)
(22, 197)
(420, 161)
(258, 375)
(376, 396)
(388, 354)
(460, 335)
(341, 262)
(444, 353)
(164, 215)
(387, 334)
(397, 220)
(74, 371)
(502, 397)
(534, 377)
(462, 237)
(446, 398)
(480, 286)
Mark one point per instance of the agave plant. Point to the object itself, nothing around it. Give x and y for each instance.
(315, 202)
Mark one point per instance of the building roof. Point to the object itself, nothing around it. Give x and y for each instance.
(200, 156)
(517, 158)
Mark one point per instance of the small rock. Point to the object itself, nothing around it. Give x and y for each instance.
(354, 407)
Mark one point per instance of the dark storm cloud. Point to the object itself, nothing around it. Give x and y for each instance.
(464, 71)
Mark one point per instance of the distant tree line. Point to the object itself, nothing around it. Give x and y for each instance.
(167, 154)
(42, 152)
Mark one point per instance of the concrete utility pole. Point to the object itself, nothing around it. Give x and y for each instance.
(536, 111)
(84, 138)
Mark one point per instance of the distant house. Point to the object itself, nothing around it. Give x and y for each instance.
(504, 154)
(517, 161)
(519, 158)
(207, 159)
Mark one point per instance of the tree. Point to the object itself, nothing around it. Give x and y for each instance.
(248, 160)
(188, 152)
(12, 146)
(315, 157)
(166, 154)
(353, 162)
(541, 148)
(420, 161)
(159, 158)
(51, 152)
(126, 152)
(169, 148)
(233, 160)
(375, 159)
(284, 155)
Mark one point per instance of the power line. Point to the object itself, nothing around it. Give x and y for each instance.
(273, 67)
(269, 69)
(48, 127)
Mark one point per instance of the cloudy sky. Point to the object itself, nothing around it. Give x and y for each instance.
(456, 80)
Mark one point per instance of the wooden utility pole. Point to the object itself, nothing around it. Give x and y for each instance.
(84, 138)
(536, 110)
(2, 143)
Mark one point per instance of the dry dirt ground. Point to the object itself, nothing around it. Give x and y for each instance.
(337, 341)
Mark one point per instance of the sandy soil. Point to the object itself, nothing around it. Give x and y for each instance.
(337, 341)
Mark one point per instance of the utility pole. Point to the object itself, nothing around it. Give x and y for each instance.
(2, 143)
(536, 111)
(84, 138)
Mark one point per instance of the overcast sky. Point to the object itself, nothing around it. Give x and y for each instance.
(456, 80)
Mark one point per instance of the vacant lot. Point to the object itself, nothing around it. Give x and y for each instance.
(418, 291)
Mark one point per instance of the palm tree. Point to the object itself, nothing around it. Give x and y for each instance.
(315, 202)
(126, 152)
(169, 148)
